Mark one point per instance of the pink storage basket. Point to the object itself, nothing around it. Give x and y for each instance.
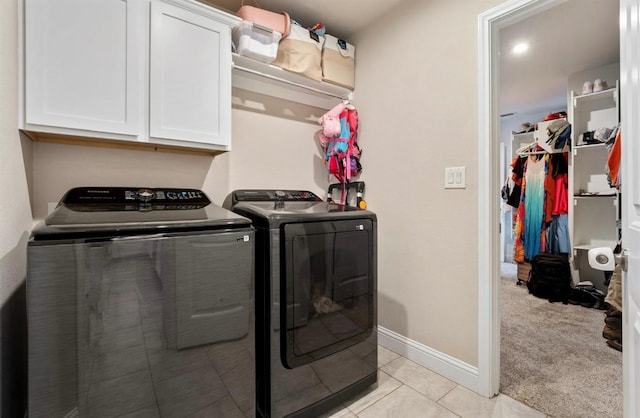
(279, 22)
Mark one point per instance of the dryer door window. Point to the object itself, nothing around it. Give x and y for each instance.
(328, 285)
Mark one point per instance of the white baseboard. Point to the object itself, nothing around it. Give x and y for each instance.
(443, 364)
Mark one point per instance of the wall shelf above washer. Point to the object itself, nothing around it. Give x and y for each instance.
(258, 77)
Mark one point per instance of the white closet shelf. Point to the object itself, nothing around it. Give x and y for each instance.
(594, 196)
(587, 247)
(587, 146)
(258, 77)
(604, 98)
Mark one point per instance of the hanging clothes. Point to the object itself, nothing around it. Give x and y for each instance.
(613, 162)
(534, 216)
(515, 182)
(558, 235)
(521, 243)
(557, 231)
(544, 198)
(560, 175)
(518, 166)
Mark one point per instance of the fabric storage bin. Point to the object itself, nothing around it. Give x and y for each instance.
(301, 52)
(338, 62)
(254, 41)
(278, 22)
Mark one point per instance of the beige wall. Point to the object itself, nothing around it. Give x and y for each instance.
(57, 168)
(15, 213)
(15, 222)
(416, 90)
(276, 146)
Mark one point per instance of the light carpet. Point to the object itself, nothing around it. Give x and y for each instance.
(553, 357)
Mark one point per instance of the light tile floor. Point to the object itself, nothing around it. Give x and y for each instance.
(406, 389)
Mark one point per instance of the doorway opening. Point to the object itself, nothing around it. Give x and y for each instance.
(509, 15)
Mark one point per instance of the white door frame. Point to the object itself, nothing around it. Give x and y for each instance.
(630, 110)
(489, 24)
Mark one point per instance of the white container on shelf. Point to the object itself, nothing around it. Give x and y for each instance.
(255, 41)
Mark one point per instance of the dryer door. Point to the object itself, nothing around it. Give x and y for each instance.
(328, 284)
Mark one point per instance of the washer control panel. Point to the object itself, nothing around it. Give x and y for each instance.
(133, 198)
(165, 195)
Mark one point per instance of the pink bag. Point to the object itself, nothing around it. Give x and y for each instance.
(330, 121)
(278, 22)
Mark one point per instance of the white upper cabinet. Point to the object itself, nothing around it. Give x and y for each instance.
(82, 65)
(190, 77)
(154, 73)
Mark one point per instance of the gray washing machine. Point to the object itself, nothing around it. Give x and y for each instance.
(316, 271)
(140, 303)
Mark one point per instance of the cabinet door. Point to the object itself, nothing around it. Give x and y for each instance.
(82, 65)
(190, 77)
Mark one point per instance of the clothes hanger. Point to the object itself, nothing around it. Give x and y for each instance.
(530, 149)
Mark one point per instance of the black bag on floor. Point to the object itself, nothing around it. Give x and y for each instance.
(550, 277)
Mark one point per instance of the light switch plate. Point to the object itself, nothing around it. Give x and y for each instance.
(454, 178)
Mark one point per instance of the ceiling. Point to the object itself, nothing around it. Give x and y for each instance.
(576, 35)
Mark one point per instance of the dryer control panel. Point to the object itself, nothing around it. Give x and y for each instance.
(275, 196)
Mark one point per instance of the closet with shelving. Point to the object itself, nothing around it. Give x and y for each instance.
(594, 209)
(592, 215)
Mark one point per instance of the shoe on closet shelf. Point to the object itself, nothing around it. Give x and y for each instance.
(599, 85)
(587, 87)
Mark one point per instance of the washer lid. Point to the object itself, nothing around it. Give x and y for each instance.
(100, 211)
